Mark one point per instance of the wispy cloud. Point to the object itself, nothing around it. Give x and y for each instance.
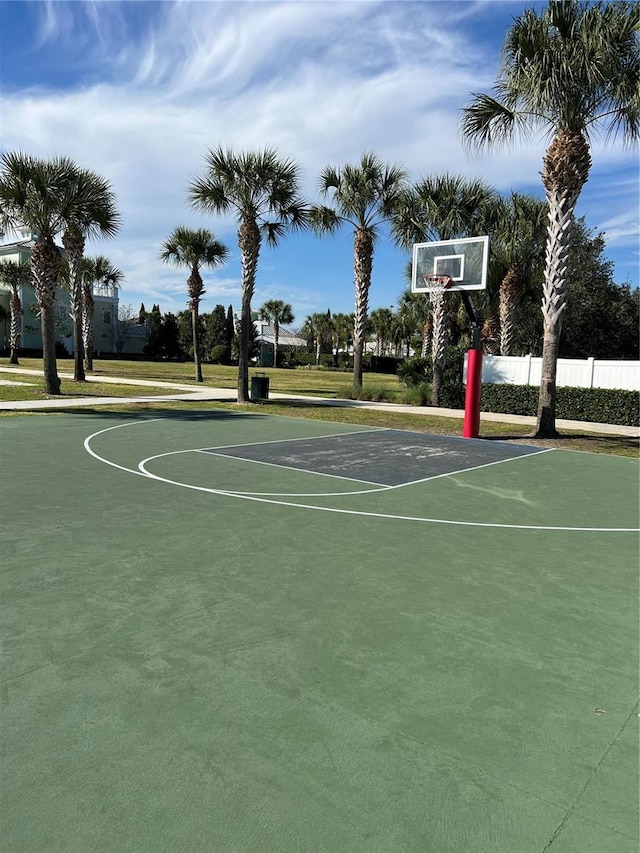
(159, 83)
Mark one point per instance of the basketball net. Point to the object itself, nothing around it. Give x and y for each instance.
(437, 283)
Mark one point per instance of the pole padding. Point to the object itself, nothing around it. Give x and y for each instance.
(471, 427)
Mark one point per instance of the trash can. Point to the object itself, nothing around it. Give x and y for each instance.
(259, 387)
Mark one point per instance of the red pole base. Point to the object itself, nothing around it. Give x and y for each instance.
(471, 428)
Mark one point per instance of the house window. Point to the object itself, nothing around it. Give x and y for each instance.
(107, 317)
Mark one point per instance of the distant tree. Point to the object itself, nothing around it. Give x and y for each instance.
(122, 327)
(363, 196)
(277, 312)
(95, 271)
(153, 324)
(341, 332)
(214, 334)
(317, 329)
(169, 337)
(229, 328)
(381, 323)
(517, 225)
(142, 315)
(253, 344)
(187, 247)
(601, 319)
(184, 321)
(262, 191)
(415, 310)
(570, 68)
(15, 275)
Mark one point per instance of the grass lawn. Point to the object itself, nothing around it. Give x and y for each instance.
(31, 391)
(302, 381)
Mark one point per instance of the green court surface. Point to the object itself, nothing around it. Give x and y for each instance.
(235, 632)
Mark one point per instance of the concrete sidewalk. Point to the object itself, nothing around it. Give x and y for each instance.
(206, 394)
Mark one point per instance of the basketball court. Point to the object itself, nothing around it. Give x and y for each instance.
(238, 632)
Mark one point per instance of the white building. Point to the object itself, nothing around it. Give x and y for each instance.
(105, 307)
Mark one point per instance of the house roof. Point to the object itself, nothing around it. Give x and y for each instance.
(11, 248)
(286, 337)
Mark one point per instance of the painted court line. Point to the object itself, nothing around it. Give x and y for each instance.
(361, 513)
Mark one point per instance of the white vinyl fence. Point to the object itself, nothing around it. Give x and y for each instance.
(572, 372)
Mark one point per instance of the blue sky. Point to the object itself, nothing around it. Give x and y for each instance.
(139, 91)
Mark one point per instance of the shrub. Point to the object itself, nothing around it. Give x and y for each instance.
(418, 395)
(593, 405)
(415, 371)
(220, 354)
(453, 390)
(382, 364)
(368, 393)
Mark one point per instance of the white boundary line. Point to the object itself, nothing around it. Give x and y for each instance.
(419, 519)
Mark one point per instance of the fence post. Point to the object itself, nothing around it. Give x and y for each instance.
(591, 365)
(528, 364)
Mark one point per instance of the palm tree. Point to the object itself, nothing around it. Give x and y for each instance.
(277, 312)
(381, 323)
(262, 191)
(31, 196)
(15, 275)
(341, 332)
(571, 69)
(186, 247)
(415, 311)
(441, 207)
(97, 270)
(317, 329)
(89, 211)
(517, 237)
(365, 197)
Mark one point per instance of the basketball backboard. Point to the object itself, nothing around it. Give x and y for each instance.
(464, 260)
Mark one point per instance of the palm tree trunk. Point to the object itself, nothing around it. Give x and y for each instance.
(318, 348)
(45, 271)
(276, 336)
(73, 242)
(15, 306)
(87, 326)
(426, 339)
(510, 290)
(196, 340)
(51, 378)
(249, 242)
(363, 265)
(565, 170)
(439, 343)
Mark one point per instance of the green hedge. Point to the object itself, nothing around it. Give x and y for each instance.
(595, 405)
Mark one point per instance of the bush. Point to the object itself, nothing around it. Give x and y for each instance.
(593, 405)
(509, 399)
(220, 354)
(453, 390)
(367, 393)
(414, 372)
(382, 364)
(418, 395)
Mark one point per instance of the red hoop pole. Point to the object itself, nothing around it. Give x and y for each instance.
(471, 427)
